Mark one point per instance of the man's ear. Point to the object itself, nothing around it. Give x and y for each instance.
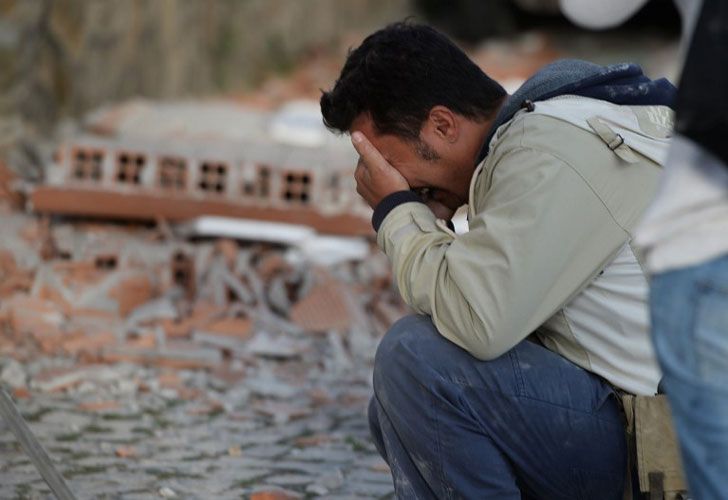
(442, 124)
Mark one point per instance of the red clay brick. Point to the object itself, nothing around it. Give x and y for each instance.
(132, 292)
(169, 380)
(88, 343)
(231, 327)
(21, 393)
(323, 309)
(108, 405)
(202, 315)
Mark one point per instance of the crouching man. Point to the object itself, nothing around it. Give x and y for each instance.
(503, 385)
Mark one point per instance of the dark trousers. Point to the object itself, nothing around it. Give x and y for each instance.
(529, 424)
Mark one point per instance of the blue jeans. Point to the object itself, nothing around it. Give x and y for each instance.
(690, 329)
(529, 424)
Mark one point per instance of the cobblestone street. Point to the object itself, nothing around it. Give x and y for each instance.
(117, 437)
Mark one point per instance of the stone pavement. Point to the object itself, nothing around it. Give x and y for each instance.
(131, 432)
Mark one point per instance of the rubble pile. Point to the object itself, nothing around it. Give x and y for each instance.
(155, 366)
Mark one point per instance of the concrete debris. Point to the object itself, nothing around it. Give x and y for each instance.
(280, 347)
(175, 354)
(339, 359)
(143, 344)
(307, 245)
(60, 379)
(267, 385)
(279, 294)
(331, 250)
(247, 230)
(280, 411)
(157, 309)
(13, 374)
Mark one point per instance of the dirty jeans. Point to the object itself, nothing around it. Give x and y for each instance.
(689, 310)
(529, 424)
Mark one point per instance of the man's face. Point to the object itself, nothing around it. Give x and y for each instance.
(426, 170)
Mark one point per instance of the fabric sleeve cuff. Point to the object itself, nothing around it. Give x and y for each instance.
(389, 203)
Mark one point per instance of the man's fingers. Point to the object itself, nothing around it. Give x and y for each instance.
(361, 173)
(375, 177)
(361, 176)
(363, 190)
(371, 155)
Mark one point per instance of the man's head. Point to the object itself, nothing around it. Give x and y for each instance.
(420, 100)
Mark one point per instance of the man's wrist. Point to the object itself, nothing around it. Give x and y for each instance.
(389, 203)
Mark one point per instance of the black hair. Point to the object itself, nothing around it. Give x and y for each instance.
(399, 73)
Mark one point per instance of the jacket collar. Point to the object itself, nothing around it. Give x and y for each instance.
(622, 83)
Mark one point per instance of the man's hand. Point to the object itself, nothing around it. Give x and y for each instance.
(440, 210)
(375, 177)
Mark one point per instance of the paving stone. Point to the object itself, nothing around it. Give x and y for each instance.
(259, 438)
(323, 455)
(19, 476)
(290, 479)
(317, 490)
(366, 488)
(312, 468)
(64, 422)
(167, 492)
(235, 476)
(210, 447)
(331, 480)
(350, 496)
(368, 476)
(265, 451)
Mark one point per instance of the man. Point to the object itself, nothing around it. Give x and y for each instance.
(467, 402)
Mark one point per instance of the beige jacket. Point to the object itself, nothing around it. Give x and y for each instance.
(550, 208)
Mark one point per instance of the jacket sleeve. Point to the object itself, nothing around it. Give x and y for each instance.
(538, 237)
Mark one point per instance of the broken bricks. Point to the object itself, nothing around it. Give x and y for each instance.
(183, 272)
(103, 333)
(324, 308)
(113, 306)
(174, 354)
(229, 333)
(13, 279)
